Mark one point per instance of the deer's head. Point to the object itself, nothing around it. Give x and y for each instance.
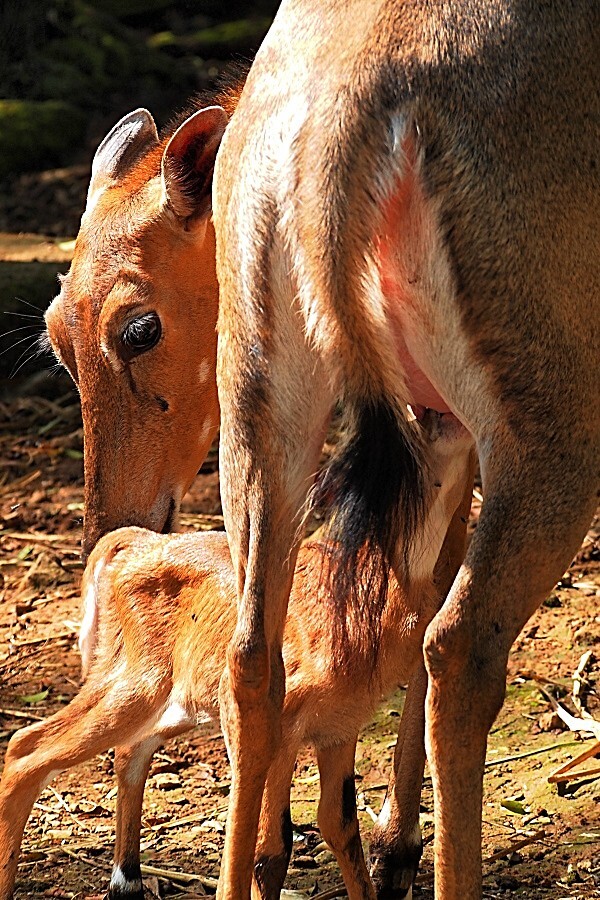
(135, 320)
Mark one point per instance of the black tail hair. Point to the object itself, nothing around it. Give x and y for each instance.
(374, 493)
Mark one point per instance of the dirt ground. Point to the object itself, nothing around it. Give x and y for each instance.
(539, 842)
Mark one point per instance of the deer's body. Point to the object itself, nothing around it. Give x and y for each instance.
(407, 207)
(160, 613)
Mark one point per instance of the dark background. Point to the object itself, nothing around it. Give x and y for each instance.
(69, 69)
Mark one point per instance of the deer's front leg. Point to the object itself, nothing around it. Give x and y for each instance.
(273, 420)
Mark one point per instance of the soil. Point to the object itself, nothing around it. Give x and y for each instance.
(547, 841)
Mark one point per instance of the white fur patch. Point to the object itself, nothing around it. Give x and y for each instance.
(207, 427)
(137, 766)
(385, 814)
(174, 716)
(203, 371)
(118, 882)
(50, 777)
(89, 623)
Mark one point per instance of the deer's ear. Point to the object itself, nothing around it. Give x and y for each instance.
(188, 163)
(121, 149)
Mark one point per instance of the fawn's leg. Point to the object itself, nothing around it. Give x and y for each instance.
(274, 844)
(337, 818)
(396, 844)
(132, 764)
(538, 503)
(90, 724)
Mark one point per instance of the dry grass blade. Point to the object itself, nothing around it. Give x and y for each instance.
(9, 487)
(34, 536)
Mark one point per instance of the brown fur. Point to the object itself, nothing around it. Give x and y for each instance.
(129, 438)
(154, 652)
(407, 211)
(148, 422)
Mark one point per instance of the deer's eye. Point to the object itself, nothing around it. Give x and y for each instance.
(141, 334)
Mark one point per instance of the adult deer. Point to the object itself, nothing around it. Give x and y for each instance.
(407, 211)
(135, 319)
(160, 610)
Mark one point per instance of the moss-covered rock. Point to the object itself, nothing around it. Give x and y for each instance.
(218, 41)
(37, 134)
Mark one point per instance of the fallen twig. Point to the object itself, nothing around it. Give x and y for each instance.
(169, 874)
(20, 714)
(182, 877)
(494, 762)
(337, 891)
(44, 640)
(36, 536)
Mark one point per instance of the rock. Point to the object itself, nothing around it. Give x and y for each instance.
(325, 857)
(305, 862)
(166, 781)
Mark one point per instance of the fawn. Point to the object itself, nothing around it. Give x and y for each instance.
(159, 613)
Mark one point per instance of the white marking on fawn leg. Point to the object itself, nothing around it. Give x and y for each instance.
(174, 716)
(118, 882)
(385, 814)
(50, 777)
(137, 765)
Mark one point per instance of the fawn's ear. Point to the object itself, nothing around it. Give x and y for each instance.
(188, 163)
(120, 150)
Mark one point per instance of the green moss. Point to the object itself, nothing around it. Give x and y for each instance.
(219, 41)
(37, 134)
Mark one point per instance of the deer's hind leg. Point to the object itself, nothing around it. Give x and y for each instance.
(396, 844)
(338, 820)
(92, 723)
(538, 503)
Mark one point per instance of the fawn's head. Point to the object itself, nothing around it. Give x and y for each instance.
(135, 320)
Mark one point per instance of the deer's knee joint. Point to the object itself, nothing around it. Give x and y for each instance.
(249, 665)
(462, 661)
